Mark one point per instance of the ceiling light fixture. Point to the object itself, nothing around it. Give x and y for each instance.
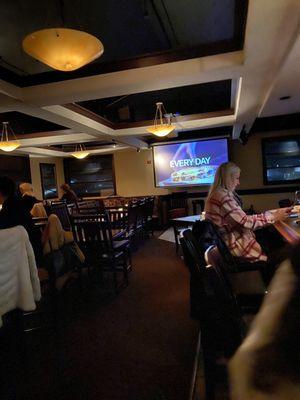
(162, 126)
(62, 48)
(80, 152)
(7, 144)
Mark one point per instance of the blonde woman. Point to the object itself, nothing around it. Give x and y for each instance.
(27, 195)
(237, 228)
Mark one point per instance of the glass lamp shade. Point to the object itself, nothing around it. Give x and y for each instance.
(9, 145)
(162, 125)
(161, 130)
(63, 49)
(80, 154)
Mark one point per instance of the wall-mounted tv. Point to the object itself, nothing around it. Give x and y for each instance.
(188, 163)
(281, 160)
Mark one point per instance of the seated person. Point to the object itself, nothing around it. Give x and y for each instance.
(68, 194)
(30, 202)
(266, 366)
(62, 256)
(14, 213)
(223, 208)
(28, 198)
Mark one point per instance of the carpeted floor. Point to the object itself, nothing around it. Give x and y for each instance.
(138, 345)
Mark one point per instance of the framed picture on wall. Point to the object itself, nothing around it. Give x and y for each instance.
(48, 178)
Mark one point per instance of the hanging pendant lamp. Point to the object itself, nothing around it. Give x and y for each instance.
(80, 152)
(162, 127)
(62, 48)
(9, 141)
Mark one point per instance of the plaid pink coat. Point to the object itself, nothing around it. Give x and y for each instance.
(235, 226)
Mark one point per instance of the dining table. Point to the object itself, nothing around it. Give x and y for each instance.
(179, 224)
(289, 228)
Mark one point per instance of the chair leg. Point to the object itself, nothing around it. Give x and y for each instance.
(129, 268)
(115, 278)
(209, 360)
(176, 239)
(125, 271)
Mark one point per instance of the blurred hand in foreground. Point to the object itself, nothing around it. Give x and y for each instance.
(281, 213)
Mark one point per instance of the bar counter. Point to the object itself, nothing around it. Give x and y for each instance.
(289, 229)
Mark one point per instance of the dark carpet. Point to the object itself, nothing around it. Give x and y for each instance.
(138, 345)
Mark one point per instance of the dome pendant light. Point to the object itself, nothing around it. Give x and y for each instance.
(80, 152)
(7, 144)
(62, 48)
(160, 127)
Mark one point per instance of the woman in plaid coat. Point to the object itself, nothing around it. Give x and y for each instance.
(237, 228)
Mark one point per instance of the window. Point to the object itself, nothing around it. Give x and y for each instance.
(92, 176)
(281, 160)
(48, 178)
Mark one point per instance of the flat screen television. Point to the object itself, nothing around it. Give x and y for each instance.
(191, 163)
(281, 160)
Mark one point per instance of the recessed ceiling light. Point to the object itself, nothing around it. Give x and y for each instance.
(284, 98)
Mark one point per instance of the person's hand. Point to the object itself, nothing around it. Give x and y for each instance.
(281, 213)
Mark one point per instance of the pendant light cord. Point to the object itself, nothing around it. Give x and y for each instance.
(61, 12)
(5, 132)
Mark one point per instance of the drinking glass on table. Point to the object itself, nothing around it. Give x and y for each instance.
(297, 202)
(297, 198)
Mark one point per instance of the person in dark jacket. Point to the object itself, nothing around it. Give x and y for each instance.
(13, 213)
(68, 194)
(27, 195)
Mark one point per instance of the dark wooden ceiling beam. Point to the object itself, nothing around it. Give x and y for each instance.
(125, 125)
(46, 134)
(89, 114)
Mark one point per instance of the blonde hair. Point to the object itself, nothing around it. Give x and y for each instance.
(223, 177)
(26, 188)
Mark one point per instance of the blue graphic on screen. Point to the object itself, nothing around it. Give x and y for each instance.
(189, 163)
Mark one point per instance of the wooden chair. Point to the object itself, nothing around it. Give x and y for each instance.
(118, 218)
(247, 278)
(93, 233)
(178, 206)
(61, 210)
(198, 206)
(90, 207)
(131, 223)
(140, 221)
(148, 217)
(221, 323)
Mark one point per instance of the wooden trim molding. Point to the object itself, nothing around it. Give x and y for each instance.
(242, 192)
(46, 134)
(89, 114)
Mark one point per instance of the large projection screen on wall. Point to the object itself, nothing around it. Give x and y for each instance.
(191, 163)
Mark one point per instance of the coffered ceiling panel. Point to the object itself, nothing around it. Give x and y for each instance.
(134, 33)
